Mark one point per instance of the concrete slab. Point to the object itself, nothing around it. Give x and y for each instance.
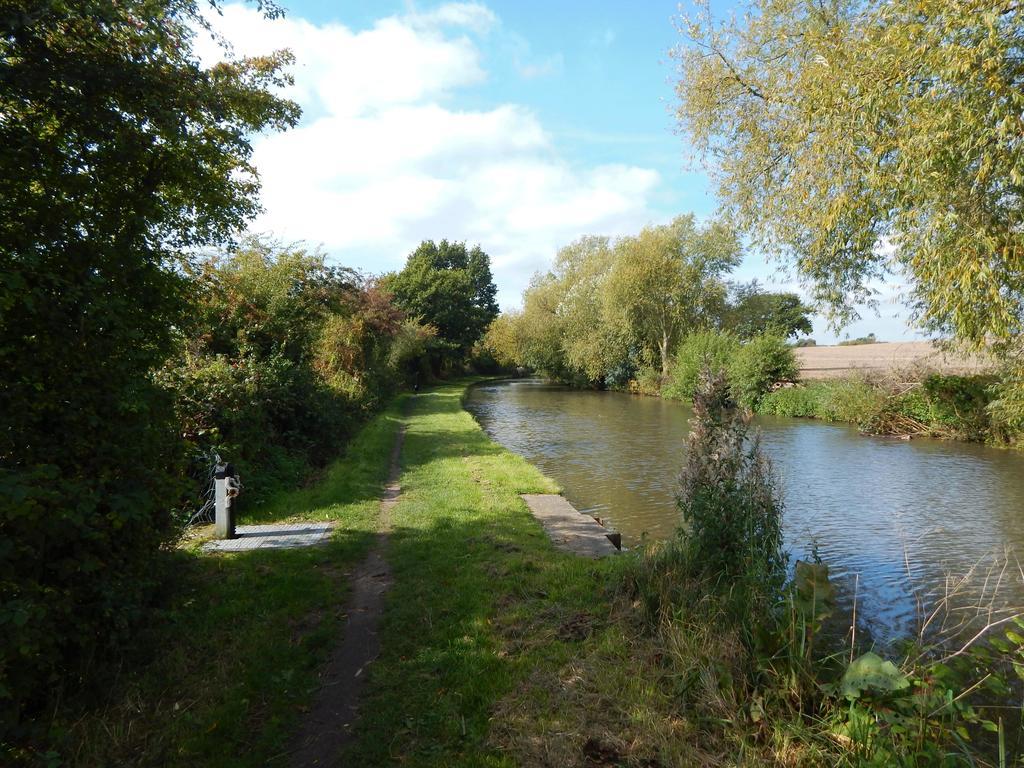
(275, 536)
(569, 529)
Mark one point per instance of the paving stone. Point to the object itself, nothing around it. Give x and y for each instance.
(275, 536)
(568, 528)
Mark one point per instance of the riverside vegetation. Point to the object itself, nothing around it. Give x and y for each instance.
(127, 355)
(646, 313)
(498, 649)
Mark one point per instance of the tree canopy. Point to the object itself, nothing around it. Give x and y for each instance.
(754, 312)
(857, 139)
(669, 280)
(448, 286)
(119, 153)
(608, 309)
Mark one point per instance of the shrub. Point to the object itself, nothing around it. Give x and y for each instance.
(285, 358)
(119, 152)
(853, 400)
(960, 404)
(799, 401)
(757, 366)
(713, 350)
(646, 382)
(732, 514)
(869, 339)
(850, 400)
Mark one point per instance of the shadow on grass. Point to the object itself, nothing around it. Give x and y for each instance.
(481, 601)
(481, 598)
(224, 664)
(230, 650)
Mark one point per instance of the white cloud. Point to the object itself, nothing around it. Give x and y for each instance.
(382, 160)
(474, 16)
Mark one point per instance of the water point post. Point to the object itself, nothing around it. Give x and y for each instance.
(224, 482)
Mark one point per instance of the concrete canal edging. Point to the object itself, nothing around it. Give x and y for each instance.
(569, 529)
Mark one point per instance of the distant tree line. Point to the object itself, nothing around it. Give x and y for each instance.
(612, 312)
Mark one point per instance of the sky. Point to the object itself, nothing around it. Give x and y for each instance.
(519, 126)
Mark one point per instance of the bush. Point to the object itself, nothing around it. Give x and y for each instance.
(850, 400)
(647, 381)
(286, 357)
(119, 153)
(732, 515)
(960, 404)
(712, 350)
(755, 655)
(853, 400)
(759, 365)
(802, 401)
(947, 405)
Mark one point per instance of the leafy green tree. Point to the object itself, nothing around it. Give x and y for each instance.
(668, 280)
(284, 357)
(855, 138)
(449, 287)
(540, 328)
(502, 340)
(753, 312)
(595, 339)
(118, 152)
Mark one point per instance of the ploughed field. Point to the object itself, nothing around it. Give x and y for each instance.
(832, 362)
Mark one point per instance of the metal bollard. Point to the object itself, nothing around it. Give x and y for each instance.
(225, 489)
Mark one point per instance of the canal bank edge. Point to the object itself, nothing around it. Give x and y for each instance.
(569, 529)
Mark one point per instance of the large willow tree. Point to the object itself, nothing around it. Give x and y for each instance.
(670, 280)
(857, 138)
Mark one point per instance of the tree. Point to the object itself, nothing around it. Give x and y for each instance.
(118, 152)
(540, 328)
(855, 138)
(502, 340)
(668, 280)
(449, 287)
(595, 341)
(752, 312)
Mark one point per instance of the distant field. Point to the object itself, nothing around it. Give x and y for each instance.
(830, 362)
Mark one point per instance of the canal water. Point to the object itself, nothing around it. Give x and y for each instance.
(894, 519)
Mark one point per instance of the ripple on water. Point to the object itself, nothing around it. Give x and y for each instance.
(893, 515)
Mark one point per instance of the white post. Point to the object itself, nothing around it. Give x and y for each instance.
(225, 520)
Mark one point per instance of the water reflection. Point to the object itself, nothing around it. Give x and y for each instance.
(899, 515)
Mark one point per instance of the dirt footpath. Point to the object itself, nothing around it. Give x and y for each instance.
(327, 728)
(831, 362)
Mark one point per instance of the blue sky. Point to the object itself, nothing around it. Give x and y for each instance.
(518, 125)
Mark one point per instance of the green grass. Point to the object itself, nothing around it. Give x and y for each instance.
(229, 660)
(497, 649)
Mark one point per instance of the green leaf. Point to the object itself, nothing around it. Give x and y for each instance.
(871, 672)
(815, 595)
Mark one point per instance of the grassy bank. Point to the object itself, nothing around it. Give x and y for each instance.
(500, 650)
(230, 657)
(485, 614)
(497, 649)
(936, 405)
